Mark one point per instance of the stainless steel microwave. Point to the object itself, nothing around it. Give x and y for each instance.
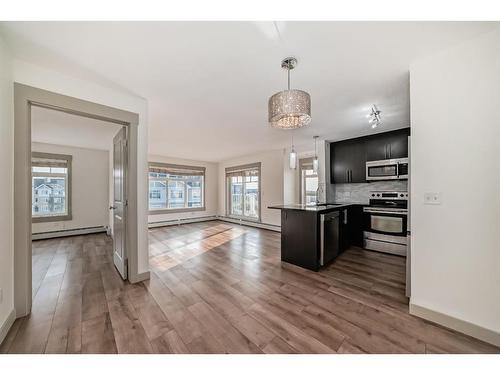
(390, 169)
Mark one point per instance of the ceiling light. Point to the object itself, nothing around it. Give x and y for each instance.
(289, 109)
(375, 117)
(293, 158)
(315, 160)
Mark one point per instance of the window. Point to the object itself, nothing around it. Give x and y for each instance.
(308, 181)
(243, 191)
(50, 187)
(176, 188)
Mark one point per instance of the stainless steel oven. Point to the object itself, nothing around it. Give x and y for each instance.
(386, 221)
(391, 169)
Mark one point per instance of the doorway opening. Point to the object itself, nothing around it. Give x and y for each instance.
(77, 172)
(65, 185)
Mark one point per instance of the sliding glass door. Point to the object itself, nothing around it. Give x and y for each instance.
(308, 182)
(243, 191)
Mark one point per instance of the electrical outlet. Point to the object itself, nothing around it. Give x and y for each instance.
(432, 198)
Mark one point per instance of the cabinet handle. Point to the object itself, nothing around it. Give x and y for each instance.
(347, 175)
(350, 175)
(390, 151)
(345, 216)
(385, 151)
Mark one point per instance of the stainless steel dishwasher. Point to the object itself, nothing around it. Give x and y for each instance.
(329, 236)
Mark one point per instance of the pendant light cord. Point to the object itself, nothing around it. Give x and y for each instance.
(288, 71)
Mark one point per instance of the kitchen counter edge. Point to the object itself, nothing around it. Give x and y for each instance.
(318, 209)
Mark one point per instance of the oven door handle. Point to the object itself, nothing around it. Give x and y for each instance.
(382, 211)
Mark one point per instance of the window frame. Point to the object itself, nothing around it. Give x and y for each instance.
(242, 168)
(304, 165)
(68, 215)
(167, 166)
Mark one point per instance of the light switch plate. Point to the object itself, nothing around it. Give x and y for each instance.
(432, 198)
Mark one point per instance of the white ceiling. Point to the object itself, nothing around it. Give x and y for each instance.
(60, 128)
(207, 83)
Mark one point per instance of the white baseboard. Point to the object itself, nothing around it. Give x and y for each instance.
(139, 277)
(68, 232)
(4, 329)
(250, 223)
(470, 329)
(167, 223)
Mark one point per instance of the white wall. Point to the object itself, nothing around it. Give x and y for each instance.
(455, 145)
(90, 188)
(211, 186)
(39, 77)
(271, 183)
(6, 185)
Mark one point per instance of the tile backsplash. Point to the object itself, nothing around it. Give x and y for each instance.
(361, 192)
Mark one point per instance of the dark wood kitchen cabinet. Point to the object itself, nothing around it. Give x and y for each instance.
(348, 158)
(351, 227)
(347, 161)
(398, 143)
(300, 238)
(376, 148)
(389, 145)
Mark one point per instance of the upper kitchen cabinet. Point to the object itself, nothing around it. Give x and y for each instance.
(347, 161)
(389, 145)
(348, 158)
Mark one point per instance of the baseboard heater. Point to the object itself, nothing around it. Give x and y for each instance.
(250, 223)
(68, 232)
(188, 220)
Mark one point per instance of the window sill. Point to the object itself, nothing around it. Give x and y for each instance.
(49, 219)
(175, 210)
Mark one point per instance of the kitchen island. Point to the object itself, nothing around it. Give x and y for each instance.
(314, 235)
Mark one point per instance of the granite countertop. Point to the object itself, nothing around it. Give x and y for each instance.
(313, 208)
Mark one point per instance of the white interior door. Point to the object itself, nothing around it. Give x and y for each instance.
(120, 202)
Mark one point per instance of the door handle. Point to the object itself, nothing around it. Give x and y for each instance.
(113, 207)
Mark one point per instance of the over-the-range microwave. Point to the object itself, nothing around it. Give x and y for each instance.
(389, 169)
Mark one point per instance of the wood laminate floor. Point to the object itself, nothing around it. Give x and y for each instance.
(221, 288)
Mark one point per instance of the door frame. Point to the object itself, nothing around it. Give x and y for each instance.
(25, 97)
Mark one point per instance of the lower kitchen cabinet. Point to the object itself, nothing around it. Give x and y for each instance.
(313, 237)
(300, 238)
(351, 227)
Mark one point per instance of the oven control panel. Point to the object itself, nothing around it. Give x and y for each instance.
(400, 195)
